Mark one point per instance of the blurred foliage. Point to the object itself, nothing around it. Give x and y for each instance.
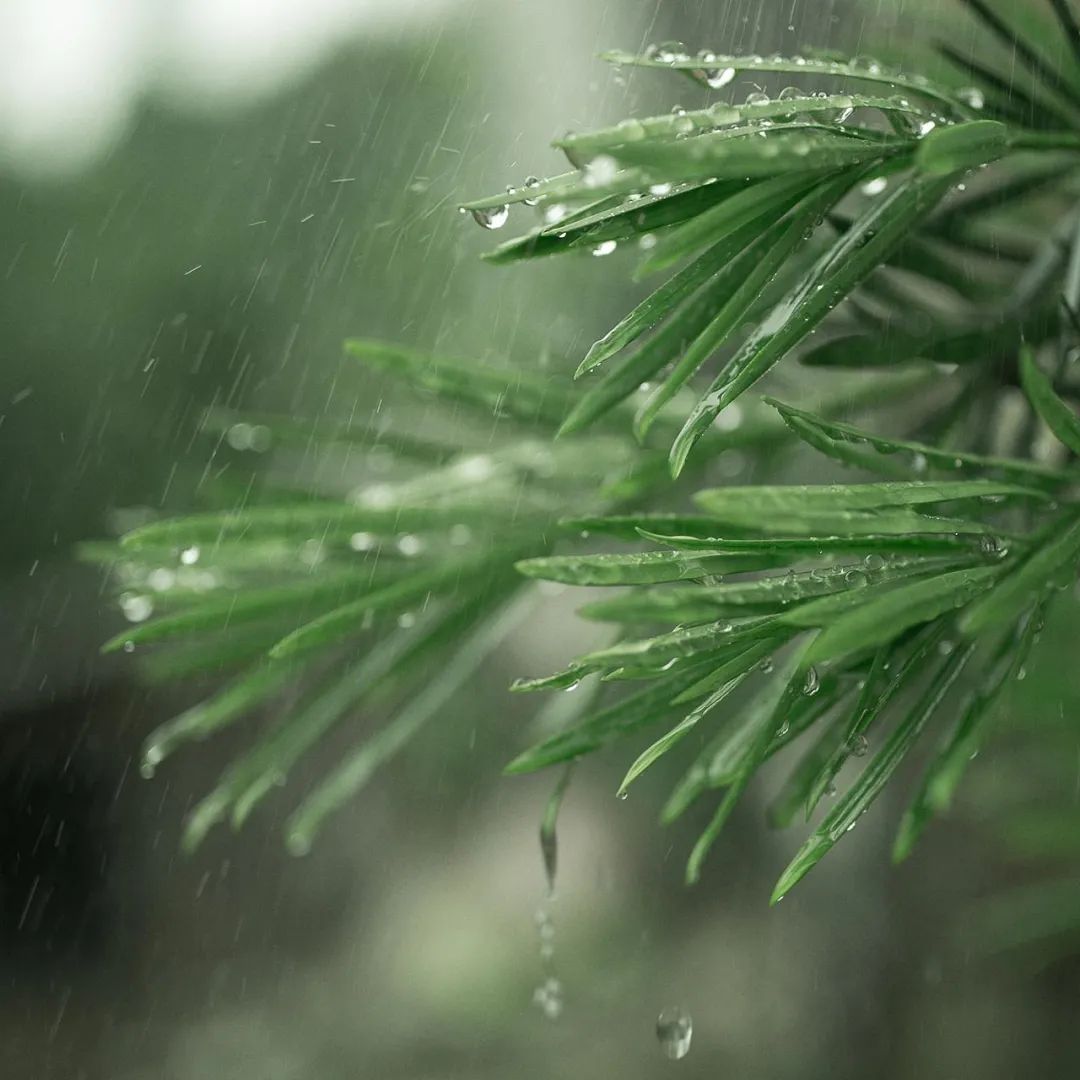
(918, 234)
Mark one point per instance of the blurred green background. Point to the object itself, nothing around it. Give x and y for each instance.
(198, 201)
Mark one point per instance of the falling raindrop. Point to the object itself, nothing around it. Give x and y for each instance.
(548, 996)
(674, 1030)
(492, 217)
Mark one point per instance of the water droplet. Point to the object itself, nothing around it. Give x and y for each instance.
(606, 247)
(129, 646)
(406, 620)
(716, 78)
(766, 665)
(866, 63)
(161, 579)
(554, 213)
(993, 547)
(875, 186)
(298, 844)
(790, 92)
(925, 128)
(674, 1030)
(659, 189)
(812, 683)
(492, 217)
(548, 997)
(622, 795)
(860, 745)
(971, 96)
(189, 556)
(136, 608)
(409, 545)
(601, 170)
(531, 184)
(363, 541)
(668, 52)
(758, 98)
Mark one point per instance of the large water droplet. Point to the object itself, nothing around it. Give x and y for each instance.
(492, 217)
(674, 1030)
(601, 170)
(812, 683)
(136, 608)
(716, 78)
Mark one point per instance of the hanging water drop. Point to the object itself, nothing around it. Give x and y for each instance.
(606, 247)
(716, 78)
(492, 217)
(674, 1030)
(531, 184)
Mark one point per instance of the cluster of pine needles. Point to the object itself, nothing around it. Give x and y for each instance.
(917, 240)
